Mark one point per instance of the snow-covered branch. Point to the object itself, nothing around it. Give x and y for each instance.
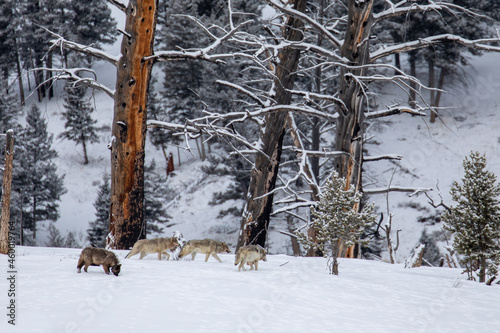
(478, 44)
(412, 190)
(73, 75)
(310, 96)
(395, 11)
(92, 51)
(392, 111)
(245, 91)
(196, 129)
(382, 157)
(316, 25)
(202, 53)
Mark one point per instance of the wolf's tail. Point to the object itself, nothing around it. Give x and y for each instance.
(128, 254)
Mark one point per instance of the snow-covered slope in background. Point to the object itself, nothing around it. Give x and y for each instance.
(433, 154)
(286, 294)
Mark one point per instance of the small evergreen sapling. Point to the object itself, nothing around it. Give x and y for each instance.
(336, 220)
(99, 228)
(475, 220)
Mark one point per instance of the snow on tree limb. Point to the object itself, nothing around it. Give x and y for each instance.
(395, 10)
(382, 157)
(412, 190)
(202, 53)
(92, 51)
(295, 13)
(72, 74)
(478, 44)
(392, 111)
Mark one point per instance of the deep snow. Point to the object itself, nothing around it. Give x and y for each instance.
(287, 294)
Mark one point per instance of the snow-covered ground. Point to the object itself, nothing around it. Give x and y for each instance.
(287, 294)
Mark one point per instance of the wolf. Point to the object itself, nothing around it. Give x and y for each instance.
(155, 245)
(250, 254)
(92, 256)
(205, 246)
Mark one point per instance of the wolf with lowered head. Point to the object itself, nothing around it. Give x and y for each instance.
(250, 254)
(155, 245)
(92, 256)
(209, 247)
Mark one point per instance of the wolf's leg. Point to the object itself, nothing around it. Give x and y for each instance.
(159, 255)
(85, 268)
(166, 255)
(193, 254)
(242, 265)
(106, 268)
(143, 254)
(256, 265)
(215, 256)
(207, 256)
(131, 253)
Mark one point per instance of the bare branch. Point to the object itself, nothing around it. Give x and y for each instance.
(92, 51)
(382, 157)
(434, 6)
(121, 6)
(72, 75)
(393, 111)
(478, 44)
(245, 91)
(412, 190)
(202, 54)
(310, 95)
(316, 25)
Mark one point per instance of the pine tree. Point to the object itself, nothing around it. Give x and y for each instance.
(35, 174)
(80, 127)
(92, 23)
(9, 107)
(99, 228)
(55, 239)
(71, 241)
(155, 193)
(335, 219)
(475, 220)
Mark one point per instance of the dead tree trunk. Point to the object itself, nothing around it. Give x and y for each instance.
(129, 126)
(350, 123)
(256, 214)
(7, 182)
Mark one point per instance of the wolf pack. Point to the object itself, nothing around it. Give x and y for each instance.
(249, 254)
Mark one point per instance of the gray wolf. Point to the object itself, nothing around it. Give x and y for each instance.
(205, 246)
(155, 245)
(92, 256)
(250, 254)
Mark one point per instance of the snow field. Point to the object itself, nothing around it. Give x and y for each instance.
(287, 294)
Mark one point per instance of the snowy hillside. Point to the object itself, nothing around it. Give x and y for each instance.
(287, 294)
(433, 154)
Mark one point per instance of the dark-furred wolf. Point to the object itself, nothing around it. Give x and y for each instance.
(205, 246)
(155, 245)
(92, 256)
(250, 254)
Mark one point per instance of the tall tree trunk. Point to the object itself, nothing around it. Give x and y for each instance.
(350, 126)
(19, 75)
(85, 156)
(256, 214)
(6, 187)
(48, 75)
(413, 72)
(126, 223)
(437, 99)
(432, 82)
